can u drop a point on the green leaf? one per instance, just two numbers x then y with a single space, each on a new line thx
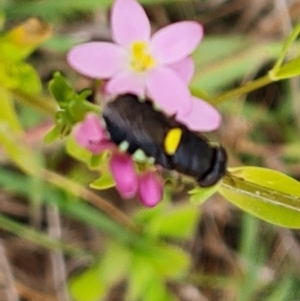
19 75
140 274
200 195
88 286
180 222
77 151
157 290
145 216
97 160
73 105
168 261
144 284
52 135
28 79
267 194
60 89
8 113
77 109
22 156
23 39
167 220
288 70
104 182
285 48
85 156
115 262
177 222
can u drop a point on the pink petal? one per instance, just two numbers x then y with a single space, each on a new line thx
150 189
203 117
129 22
168 91
184 68
123 171
97 59
91 135
126 82
176 41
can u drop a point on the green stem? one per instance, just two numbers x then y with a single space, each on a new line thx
45 105
291 38
95 108
251 86
39 238
86 194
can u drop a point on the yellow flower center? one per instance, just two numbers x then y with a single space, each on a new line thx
141 59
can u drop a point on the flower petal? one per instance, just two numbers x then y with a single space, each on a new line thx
123 171
150 189
129 22
203 117
91 135
126 82
176 41
97 59
168 91
184 68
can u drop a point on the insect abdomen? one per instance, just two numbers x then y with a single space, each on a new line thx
128 119
196 158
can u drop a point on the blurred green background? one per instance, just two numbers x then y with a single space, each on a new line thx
62 241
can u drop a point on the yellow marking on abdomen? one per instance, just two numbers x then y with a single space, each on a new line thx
172 140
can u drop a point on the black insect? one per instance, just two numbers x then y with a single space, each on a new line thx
169 142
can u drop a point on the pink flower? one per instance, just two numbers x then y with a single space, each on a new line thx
157 66
148 186
150 189
202 117
91 135
123 171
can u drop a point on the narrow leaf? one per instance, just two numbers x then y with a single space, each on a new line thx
288 70
200 195
38 237
286 47
104 182
267 194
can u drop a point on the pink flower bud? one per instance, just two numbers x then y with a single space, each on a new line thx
123 171
91 135
150 189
